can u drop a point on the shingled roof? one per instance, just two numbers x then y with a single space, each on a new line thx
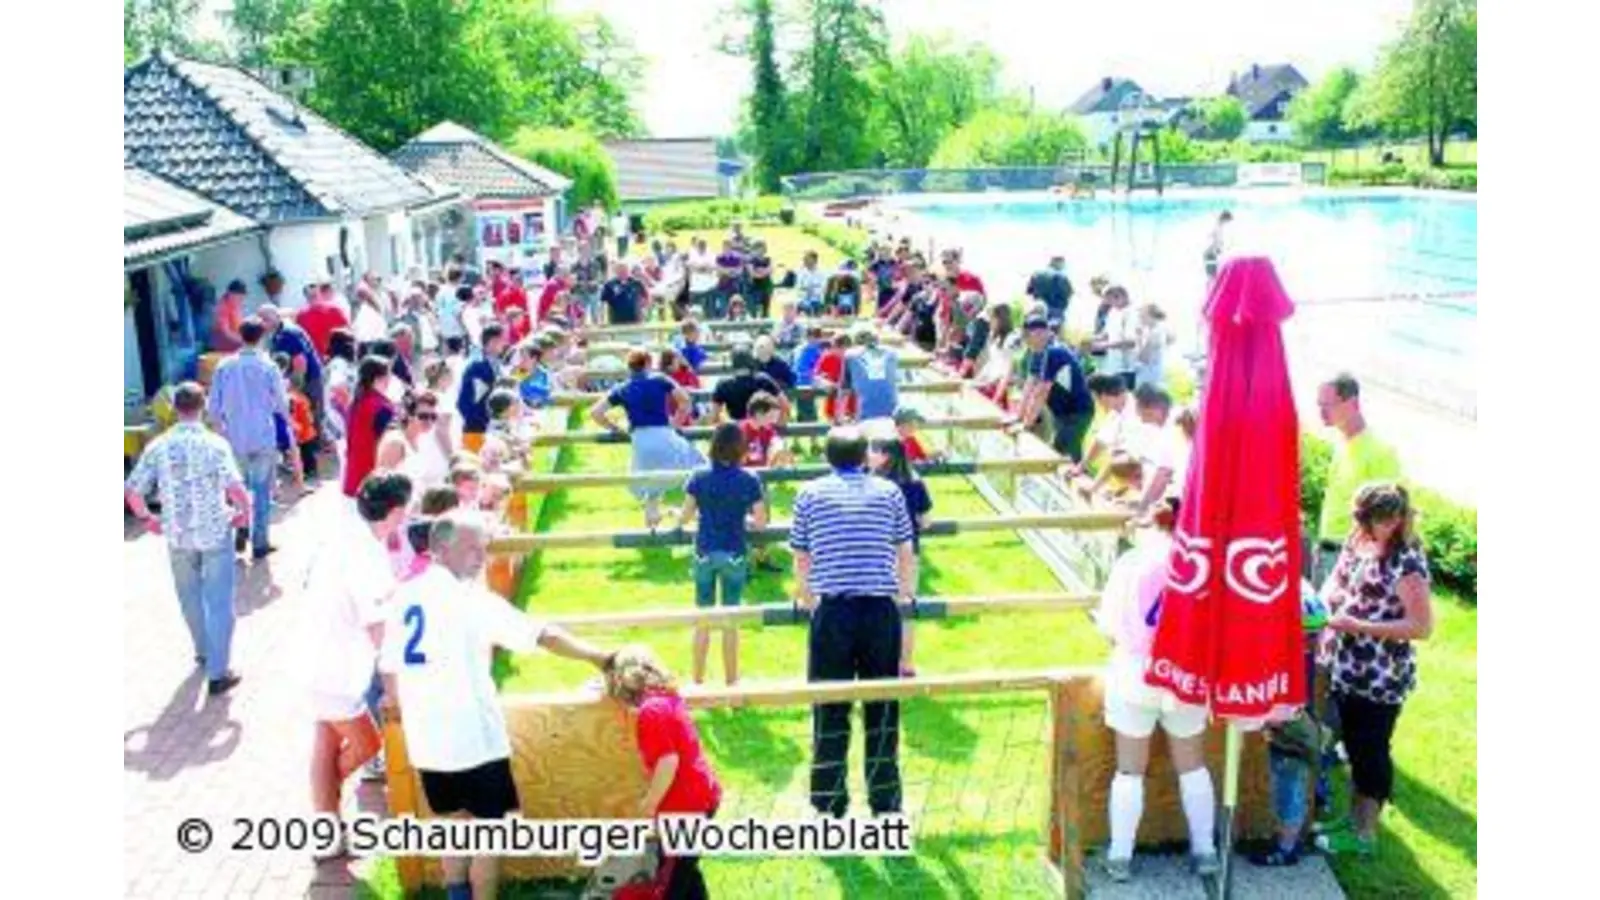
666 168
462 158
1106 96
222 133
161 219
1260 87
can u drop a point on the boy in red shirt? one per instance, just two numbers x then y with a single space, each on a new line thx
681 782
763 446
829 377
906 422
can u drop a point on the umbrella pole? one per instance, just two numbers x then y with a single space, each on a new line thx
1230 802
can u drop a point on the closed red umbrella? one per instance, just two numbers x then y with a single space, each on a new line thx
1229 635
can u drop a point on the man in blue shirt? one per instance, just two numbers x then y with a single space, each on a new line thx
1055 381
853 560
872 373
292 340
1051 287
246 392
477 382
622 295
722 496
688 346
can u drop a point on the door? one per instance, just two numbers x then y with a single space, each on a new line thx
139 287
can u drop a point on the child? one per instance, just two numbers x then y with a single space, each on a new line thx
805 369
673 364
689 345
505 422
681 782
763 446
736 310
518 325
285 438
303 428
536 385
829 378
789 331
888 459
1292 748
844 291
1150 344
906 420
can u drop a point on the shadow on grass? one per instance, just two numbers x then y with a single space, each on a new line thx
655 565
933 730
1437 814
901 876
746 743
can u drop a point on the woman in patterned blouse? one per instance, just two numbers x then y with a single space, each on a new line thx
1380 605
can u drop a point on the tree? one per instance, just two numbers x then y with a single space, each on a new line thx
568 72
1007 137
575 154
1318 112
260 27
767 107
1223 117
151 25
385 72
925 91
1426 82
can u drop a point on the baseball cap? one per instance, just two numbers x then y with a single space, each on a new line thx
1036 323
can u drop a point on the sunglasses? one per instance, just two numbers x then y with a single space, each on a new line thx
427 417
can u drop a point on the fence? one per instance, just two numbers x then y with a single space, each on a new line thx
877 182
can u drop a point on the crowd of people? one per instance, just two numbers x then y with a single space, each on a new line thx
419 401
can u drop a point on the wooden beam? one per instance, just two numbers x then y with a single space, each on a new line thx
890 339
789 614
942 386
907 361
717 325
703 433
1094 520
544 481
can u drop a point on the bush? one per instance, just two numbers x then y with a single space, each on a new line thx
1449 531
575 154
999 137
1400 175
708 214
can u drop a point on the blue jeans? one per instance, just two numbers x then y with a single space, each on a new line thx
260 470
1289 777
204 579
714 568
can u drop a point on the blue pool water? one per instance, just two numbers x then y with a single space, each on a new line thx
1393 273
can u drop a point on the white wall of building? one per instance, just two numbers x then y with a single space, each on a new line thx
1268 132
132 375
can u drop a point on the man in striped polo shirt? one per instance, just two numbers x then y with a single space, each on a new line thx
853 559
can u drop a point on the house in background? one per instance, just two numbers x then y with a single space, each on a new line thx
513 205
660 169
163 225
1265 92
1100 109
330 206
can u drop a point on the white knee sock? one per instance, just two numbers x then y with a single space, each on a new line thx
1200 808
1127 805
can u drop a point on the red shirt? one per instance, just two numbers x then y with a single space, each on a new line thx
831 367
685 378
369 416
966 281
508 294
518 329
547 297
319 320
914 450
758 443
665 728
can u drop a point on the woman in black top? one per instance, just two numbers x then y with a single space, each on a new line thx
886 457
760 280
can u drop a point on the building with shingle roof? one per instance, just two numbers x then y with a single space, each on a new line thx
1265 92
1102 108
217 141
516 203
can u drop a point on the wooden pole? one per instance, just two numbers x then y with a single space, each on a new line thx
703 433
789 614
1094 520
942 386
892 338
716 325
542 481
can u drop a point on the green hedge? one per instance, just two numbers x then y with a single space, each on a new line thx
1397 174
1449 531
846 239
722 213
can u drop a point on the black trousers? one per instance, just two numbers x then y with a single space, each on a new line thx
1070 432
853 637
1367 729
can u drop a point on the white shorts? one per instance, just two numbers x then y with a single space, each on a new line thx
1133 709
328 707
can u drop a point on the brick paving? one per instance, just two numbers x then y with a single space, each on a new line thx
244 754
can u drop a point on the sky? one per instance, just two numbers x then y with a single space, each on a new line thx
1058 48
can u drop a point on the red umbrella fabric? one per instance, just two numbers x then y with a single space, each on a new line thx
1229 632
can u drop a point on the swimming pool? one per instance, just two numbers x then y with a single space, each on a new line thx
1375 273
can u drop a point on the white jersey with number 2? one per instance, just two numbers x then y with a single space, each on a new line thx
439 644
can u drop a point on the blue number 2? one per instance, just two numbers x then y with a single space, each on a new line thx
416 621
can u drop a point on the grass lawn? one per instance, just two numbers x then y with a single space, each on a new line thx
974 770
786 244
1457 155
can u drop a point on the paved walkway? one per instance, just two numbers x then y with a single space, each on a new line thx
245 754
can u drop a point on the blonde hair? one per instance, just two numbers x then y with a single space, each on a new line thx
634 672
1156 313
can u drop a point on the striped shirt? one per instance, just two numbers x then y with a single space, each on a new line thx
852 525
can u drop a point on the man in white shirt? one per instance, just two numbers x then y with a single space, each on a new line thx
810 284
702 275
438 645
619 231
1119 337
1160 448
475 314
1118 424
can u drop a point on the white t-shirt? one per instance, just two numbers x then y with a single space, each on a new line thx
1160 447
369 325
352 586
1118 431
449 308
702 271
619 225
473 317
439 643
1121 325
